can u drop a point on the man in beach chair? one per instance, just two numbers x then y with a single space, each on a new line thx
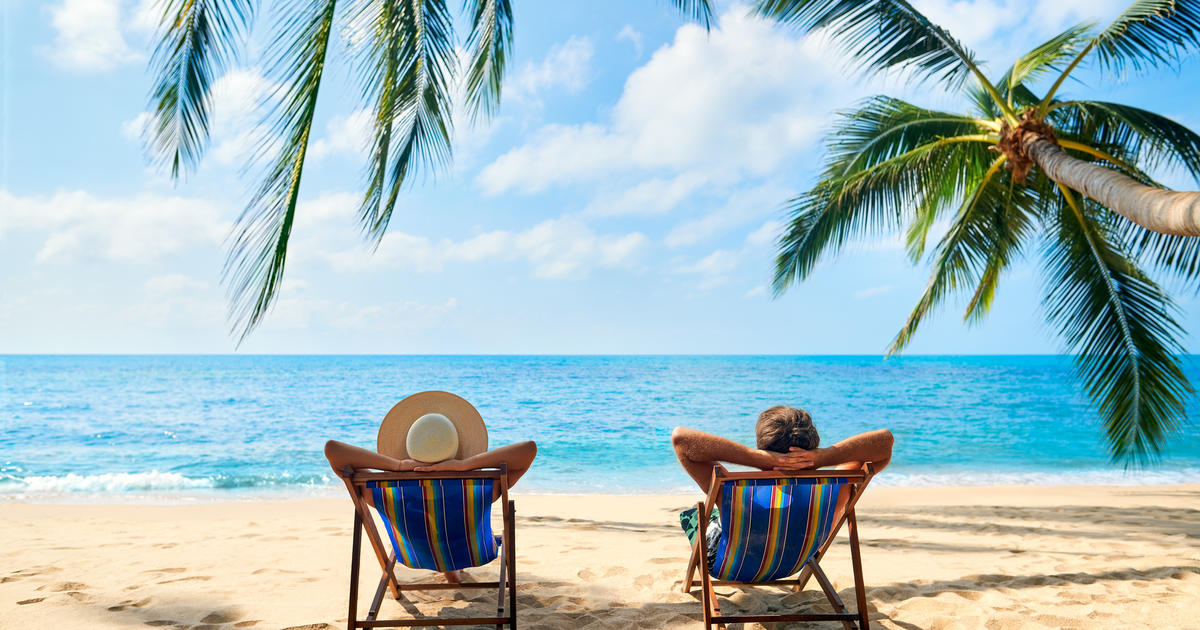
433 502
761 527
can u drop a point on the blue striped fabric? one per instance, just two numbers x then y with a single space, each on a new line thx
771 527
437 524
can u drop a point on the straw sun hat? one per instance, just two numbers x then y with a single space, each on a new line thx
432 426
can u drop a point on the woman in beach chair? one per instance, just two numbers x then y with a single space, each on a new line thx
760 528
433 502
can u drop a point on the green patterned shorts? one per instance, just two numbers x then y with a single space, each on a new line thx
689 520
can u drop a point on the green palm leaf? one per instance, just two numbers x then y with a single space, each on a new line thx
1150 33
1119 325
198 40
987 234
1052 55
258 251
417 55
880 158
698 10
882 35
489 44
1148 140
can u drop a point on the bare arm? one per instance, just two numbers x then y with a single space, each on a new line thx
517 457
700 452
341 455
850 453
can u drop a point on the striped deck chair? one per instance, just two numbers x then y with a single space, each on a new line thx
437 521
776 525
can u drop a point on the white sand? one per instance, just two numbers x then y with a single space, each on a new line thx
1000 557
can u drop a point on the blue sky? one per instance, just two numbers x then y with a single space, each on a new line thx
623 200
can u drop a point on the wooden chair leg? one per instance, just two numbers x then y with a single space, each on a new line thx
500 591
512 564
377 601
690 573
355 548
860 591
708 597
830 593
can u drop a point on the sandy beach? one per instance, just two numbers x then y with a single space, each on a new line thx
980 557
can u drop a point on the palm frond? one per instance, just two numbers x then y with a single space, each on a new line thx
1177 256
1139 137
489 44
1121 328
988 229
258 250
197 40
872 200
1013 222
413 63
880 128
1051 55
1150 33
883 35
697 10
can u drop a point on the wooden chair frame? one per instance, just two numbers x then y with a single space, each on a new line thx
356 481
858 480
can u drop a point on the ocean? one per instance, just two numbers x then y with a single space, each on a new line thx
228 426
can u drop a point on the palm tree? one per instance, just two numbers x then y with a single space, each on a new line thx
407 62
1022 171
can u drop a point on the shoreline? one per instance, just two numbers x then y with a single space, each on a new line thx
207 496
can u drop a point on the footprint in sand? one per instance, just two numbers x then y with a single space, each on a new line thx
63 586
129 603
166 570
194 578
21 574
30 601
247 623
219 616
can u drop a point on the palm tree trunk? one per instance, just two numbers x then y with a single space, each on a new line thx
1158 210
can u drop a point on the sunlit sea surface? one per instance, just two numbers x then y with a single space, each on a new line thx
196 427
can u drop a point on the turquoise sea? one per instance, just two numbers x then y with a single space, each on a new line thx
81 427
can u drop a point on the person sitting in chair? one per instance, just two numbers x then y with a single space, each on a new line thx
786 440
432 432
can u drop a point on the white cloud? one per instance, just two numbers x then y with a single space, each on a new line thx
629 33
142 228
757 291
345 135
566 66
146 15
741 207
88 35
174 283
765 235
237 131
870 292
713 269
554 248
739 99
297 313
649 197
135 129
